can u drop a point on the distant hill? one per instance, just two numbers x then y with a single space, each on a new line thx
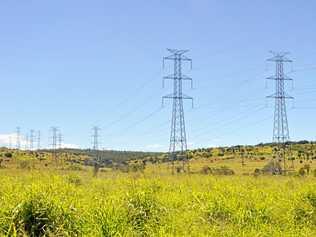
115 156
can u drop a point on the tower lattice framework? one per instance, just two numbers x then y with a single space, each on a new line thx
178 139
281 132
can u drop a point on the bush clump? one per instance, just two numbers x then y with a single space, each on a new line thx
144 212
301 172
74 179
39 216
218 213
273 168
25 164
224 170
305 209
111 221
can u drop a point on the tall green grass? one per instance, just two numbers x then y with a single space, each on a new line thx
76 204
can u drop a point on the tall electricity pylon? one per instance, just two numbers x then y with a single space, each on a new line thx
96 152
280 126
95 137
38 140
54 131
31 139
178 140
60 140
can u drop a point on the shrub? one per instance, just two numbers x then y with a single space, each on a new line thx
74 167
179 169
272 167
206 170
143 212
218 213
307 167
257 172
111 221
8 155
305 210
224 170
137 167
25 164
74 179
301 172
39 216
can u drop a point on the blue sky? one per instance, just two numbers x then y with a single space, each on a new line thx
75 64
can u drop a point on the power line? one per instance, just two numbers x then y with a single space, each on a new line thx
127 114
136 91
223 124
232 132
206 118
136 123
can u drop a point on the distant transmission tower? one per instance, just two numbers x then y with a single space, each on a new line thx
60 140
27 142
95 136
31 139
54 131
280 127
178 140
18 138
38 140
96 152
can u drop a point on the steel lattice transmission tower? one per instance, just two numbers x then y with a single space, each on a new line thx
178 140
31 140
280 127
95 148
54 131
60 140
18 138
96 144
38 140
95 137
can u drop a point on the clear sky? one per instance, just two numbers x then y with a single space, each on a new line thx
76 63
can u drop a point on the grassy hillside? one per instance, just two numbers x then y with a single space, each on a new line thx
241 159
136 195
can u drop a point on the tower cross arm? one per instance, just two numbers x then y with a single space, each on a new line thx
186 78
279 59
169 77
276 96
285 78
186 97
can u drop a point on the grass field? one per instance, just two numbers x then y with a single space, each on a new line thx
154 203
